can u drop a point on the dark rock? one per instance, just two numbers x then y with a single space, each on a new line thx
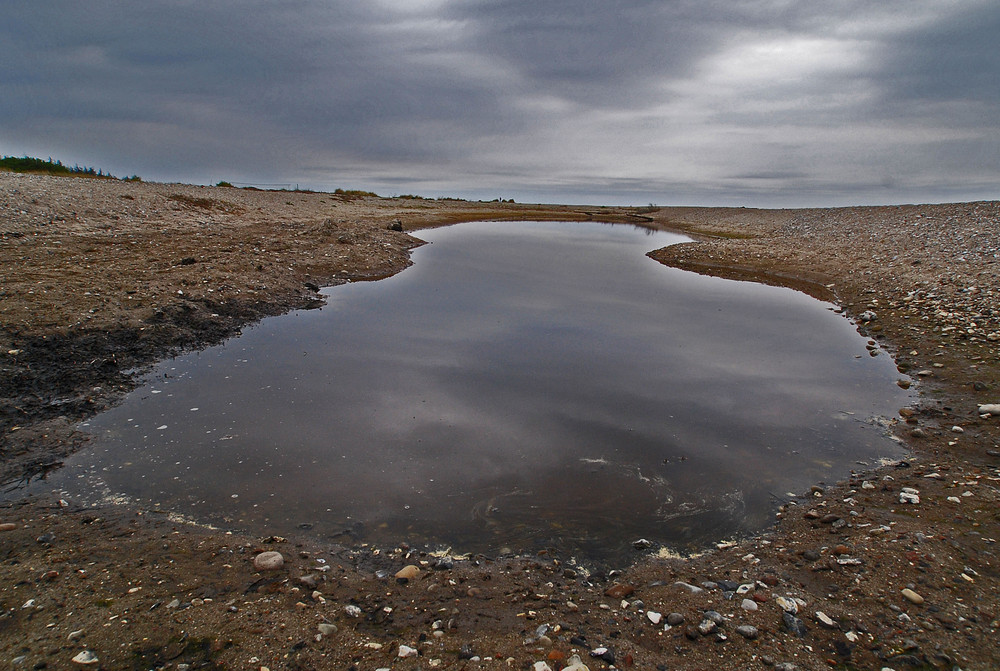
674 619
466 652
794 624
842 648
727 585
908 660
714 616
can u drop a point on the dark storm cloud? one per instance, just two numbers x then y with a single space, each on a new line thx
770 101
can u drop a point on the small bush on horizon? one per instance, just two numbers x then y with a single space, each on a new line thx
355 193
225 184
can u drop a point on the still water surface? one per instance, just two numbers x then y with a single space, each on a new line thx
522 385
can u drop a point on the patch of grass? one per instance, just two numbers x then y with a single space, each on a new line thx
225 184
355 193
203 203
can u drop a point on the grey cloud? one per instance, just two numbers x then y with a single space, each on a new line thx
616 101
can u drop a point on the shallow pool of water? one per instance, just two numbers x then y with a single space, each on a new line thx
521 386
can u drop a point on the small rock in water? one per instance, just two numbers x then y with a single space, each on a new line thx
268 561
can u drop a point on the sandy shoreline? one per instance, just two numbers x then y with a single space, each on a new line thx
102 277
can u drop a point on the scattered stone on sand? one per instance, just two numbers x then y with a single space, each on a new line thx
268 561
408 572
86 658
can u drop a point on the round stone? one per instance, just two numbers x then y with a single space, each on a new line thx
268 561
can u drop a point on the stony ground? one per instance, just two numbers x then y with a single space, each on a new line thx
891 568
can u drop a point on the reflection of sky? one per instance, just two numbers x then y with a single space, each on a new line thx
508 356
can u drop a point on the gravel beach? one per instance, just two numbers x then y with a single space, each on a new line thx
893 567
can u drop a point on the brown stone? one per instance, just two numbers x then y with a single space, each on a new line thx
619 591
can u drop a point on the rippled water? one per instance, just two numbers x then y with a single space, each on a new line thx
523 385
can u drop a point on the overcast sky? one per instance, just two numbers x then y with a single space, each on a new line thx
757 103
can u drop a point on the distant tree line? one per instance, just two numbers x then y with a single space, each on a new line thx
50 167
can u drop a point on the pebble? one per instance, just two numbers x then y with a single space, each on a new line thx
653 616
912 596
825 620
749 604
706 627
714 616
787 605
992 409
748 632
619 591
406 651
674 619
575 664
909 495
86 658
268 561
8 526
408 572
327 629
794 624
603 653
691 588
